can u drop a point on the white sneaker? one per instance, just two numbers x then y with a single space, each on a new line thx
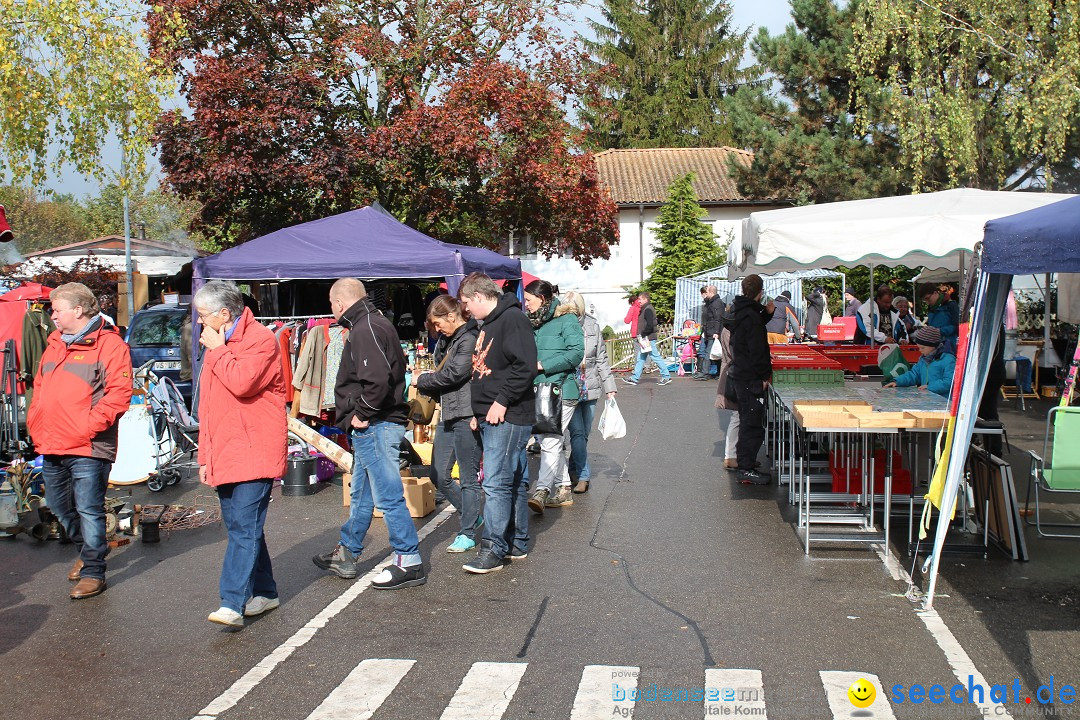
259 604
226 616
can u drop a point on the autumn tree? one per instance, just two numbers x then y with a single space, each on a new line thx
989 89
41 222
74 74
663 69
683 242
447 112
802 126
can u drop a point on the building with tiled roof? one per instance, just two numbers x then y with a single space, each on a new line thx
638 181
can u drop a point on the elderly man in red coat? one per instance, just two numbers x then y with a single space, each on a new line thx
242 442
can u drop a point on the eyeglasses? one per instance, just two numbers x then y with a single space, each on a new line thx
203 316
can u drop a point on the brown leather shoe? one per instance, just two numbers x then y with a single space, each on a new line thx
87 588
75 573
581 487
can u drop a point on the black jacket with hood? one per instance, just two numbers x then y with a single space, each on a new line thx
371 378
450 383
713 316
751 361
504 363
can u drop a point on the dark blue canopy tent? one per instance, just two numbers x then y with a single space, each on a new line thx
368 244
1043 240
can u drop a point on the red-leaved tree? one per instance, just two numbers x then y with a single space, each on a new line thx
450 113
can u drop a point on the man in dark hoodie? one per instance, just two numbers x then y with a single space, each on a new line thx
783 317
751 369
504 410
369 396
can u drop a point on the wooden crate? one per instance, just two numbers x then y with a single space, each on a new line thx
924 419
827 420
886 420
858 409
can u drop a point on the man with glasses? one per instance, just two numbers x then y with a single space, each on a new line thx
82 387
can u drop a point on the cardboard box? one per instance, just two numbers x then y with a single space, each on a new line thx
419 496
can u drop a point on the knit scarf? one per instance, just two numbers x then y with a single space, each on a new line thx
540 315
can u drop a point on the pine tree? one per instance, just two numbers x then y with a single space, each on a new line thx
684 241
664 67
804 141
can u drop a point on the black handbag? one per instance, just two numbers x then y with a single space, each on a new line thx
548 409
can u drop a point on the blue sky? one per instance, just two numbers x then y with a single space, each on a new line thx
772 14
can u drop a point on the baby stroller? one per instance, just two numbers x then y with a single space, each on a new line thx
175 446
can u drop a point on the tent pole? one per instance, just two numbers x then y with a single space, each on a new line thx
873 292
1048 358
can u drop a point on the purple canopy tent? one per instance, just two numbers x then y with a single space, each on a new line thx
369 244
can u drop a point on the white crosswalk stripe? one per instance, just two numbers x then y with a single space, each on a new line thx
836 691
598 698
361 693
485 692
603 692
730 687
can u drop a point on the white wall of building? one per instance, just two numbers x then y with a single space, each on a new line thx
602 283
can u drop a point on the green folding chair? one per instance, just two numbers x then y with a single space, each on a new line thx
1063 475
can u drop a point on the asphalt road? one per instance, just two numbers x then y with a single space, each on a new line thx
666 576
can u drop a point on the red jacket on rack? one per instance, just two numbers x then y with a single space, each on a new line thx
242 420
80 392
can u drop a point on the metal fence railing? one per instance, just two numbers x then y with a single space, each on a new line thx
622 350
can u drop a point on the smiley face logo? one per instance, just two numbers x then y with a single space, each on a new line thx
861 693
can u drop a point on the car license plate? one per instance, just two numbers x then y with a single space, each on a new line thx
167 365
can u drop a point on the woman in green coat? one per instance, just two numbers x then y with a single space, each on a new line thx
560 348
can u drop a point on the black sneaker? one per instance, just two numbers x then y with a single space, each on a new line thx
485 562
630 381
753 477
516 554
339 561
395 578
664 381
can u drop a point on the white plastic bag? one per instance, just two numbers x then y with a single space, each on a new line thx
612 425
716 350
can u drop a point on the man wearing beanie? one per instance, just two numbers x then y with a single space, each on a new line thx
935 368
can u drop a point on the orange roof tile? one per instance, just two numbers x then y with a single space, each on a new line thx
643 176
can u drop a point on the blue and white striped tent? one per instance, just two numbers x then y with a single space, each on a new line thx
688 290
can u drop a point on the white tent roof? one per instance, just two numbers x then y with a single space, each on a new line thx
927 230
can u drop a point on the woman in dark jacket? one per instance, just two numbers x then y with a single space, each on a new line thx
560 348
453 437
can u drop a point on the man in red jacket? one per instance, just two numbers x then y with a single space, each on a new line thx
82 387
242 442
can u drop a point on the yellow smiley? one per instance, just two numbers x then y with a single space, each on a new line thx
861 693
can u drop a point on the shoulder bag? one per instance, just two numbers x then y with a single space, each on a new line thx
548 409
422 407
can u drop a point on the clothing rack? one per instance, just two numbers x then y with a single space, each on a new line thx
271 318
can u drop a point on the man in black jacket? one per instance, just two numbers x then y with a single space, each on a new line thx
646 343
712 314
371 407
504 410
751 369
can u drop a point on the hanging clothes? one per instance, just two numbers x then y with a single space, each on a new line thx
310 375
35 338
335 348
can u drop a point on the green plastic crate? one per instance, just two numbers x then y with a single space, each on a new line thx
808 377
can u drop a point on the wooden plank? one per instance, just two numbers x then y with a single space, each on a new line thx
341 457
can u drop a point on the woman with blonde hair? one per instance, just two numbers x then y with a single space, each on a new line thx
594 379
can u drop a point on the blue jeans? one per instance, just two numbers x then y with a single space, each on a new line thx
506 487
246 571
640 364
706 365
580 427
456 440
376 481
75 492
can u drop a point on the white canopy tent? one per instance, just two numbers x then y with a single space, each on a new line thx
688 290
929 230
